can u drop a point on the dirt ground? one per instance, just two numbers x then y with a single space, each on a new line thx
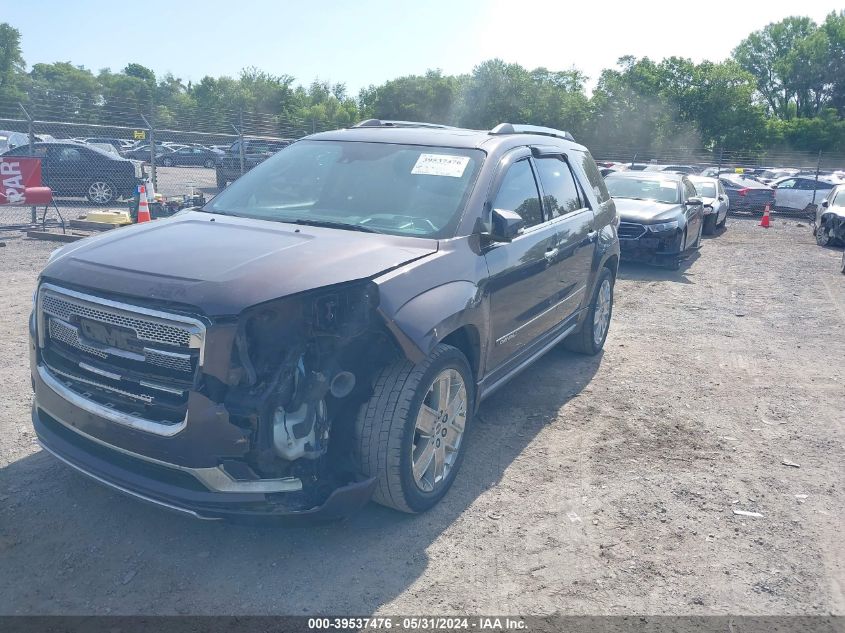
600 485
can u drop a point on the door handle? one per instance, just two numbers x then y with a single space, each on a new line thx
551 253
591 237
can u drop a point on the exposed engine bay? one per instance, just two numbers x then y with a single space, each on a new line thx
300 368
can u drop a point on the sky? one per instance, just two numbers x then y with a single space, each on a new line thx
370 41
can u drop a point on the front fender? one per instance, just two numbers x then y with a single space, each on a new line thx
424 321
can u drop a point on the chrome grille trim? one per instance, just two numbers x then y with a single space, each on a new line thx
630 230
86 381
149 325
69 335
95 408
57 312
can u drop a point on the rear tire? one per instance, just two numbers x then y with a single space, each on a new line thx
101 192
403 419
590 338
710 224
209 164
167 162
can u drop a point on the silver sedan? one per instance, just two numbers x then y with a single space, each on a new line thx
715 200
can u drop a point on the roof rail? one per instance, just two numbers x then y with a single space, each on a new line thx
383 123
510 128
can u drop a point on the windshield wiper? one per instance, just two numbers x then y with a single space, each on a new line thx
332 225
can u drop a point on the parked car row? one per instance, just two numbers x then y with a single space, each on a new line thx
76 169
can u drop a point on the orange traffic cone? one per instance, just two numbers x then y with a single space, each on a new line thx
143 207
765 221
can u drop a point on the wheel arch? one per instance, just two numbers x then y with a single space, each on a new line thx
448 313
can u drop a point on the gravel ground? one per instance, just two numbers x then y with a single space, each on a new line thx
592 485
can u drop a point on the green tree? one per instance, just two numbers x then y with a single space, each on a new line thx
430 97
11 66
766 55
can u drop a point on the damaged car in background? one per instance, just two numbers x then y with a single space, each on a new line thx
829 225
323 331
661 216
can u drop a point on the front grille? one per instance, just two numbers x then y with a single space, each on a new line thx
630 230
131 359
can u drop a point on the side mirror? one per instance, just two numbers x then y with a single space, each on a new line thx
825 203
506 225
721 198
693 202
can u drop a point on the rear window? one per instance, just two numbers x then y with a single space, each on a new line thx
593 175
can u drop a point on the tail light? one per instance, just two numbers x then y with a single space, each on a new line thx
744 192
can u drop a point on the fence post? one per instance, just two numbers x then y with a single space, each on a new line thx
240 132
33 212
634 159
816 185
153 174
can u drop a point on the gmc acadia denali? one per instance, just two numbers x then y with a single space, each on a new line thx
323 331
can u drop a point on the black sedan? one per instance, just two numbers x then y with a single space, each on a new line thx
76 169
661 216
747 194
203 156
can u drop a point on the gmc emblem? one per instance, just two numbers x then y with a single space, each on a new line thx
110 335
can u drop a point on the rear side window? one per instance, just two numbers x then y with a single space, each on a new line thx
593 175
560 193
518 193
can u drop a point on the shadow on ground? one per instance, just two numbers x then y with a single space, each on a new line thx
70 546
652 272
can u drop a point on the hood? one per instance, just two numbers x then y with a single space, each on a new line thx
646 211
223 265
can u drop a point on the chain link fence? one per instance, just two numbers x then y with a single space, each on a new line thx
95 160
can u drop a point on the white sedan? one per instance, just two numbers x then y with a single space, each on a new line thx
796 193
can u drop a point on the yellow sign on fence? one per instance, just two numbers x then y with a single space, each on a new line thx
739 170
139 135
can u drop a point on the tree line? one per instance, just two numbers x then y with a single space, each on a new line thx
782 88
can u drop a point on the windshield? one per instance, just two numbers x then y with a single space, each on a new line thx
645 188
398 189
706 189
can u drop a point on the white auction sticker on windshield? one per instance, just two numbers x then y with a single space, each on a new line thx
440 165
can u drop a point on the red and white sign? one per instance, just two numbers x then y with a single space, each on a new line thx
16 174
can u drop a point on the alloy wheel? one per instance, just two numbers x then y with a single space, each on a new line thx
100 192
439 430
601 313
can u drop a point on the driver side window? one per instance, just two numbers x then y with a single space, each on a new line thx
518 192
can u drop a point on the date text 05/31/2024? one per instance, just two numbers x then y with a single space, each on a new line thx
421 623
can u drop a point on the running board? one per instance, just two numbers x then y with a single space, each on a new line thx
488 391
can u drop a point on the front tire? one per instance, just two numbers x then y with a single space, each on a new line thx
209 164
593 333
843 262
823 237
411 434
710 222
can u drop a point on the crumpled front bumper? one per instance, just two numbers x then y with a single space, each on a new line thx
173 490
651 245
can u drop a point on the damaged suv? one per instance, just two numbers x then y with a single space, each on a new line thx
323 331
